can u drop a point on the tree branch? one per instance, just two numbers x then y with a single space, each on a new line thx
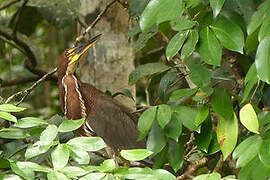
4 6
18 17
88 29
17 81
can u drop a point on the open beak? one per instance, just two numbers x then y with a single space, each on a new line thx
74 54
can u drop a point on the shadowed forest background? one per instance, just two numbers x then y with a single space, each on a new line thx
195 71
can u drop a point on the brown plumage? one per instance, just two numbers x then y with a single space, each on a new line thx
105 117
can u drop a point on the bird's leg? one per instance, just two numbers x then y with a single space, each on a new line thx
112 155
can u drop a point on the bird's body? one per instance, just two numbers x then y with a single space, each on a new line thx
105 117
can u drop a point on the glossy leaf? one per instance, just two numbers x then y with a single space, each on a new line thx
158 11
199 75
216 6
203 139
55 175
174 128
202 115
28 122
187 115
209 47
175 155
144 37
8 116
79 155
48 135
190 45
227 133
247 150
73 171
248 118
13 133
26 174
229 34
252 42
250 80
262 60
60 156
265 29
156 140
213 176
70 125
145 121
11 108
9 177
146 70
221 103
180 93
161 158
165 82
175 44
93 176
135 154
164 115
31 166
35 150
258 17
264 150
181 24
163 174
87 143
107 166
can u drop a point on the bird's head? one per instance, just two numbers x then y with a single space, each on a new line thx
74 55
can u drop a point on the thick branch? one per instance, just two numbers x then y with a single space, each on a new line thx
10 3
17 81
18 17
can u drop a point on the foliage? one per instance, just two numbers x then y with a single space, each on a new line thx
204 66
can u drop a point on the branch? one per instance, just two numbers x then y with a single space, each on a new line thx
78 39
17 81
30 89
4 6
18 17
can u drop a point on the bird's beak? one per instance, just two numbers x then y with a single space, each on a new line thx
74 54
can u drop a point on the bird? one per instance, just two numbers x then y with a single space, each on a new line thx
104 116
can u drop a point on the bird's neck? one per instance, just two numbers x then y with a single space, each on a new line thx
73 102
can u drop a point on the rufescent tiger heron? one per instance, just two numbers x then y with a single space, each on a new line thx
105 117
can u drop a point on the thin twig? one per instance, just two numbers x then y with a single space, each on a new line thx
78 39
9 4
18 17
30 89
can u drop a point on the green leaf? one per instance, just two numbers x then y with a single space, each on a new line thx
181 24
48 135
229 34
13 133
249 118
175 155
265 29
70 125
107 166
136 7
55 175
93 176
227 133
124 92
199 75
252 42
202 115
143 38
9 177
146 70
8 116
262 60
180 93
135 154
247 150
250 80
222 103
161 174
134 173
79 155
145 121
174 128
31 166
73 171
187 115
216 6
209 48
190 45
258 17
163 115
264 154
158 11
161 158
214 145
26 174
87 143
156 140
175 44
213 176
28 122
11 108
60 156
36 149
203 139
165 82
